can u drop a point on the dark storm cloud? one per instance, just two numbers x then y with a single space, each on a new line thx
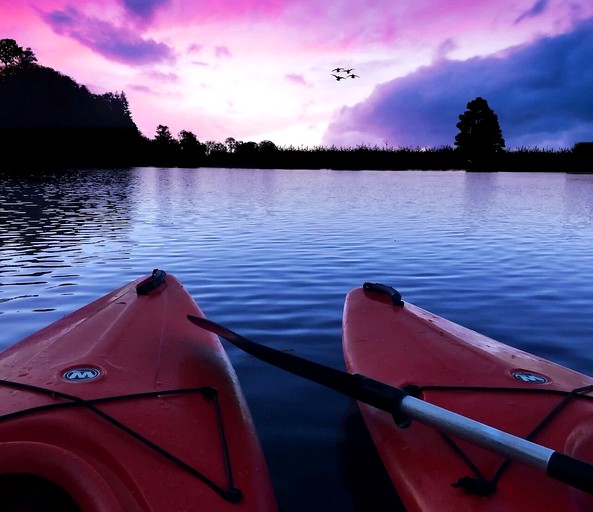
540 91
112 42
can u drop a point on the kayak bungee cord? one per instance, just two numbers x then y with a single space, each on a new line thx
230 493
478 484
403 406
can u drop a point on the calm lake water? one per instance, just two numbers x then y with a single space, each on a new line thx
272 254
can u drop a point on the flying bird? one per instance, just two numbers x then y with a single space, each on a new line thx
347 71
338 78
338 70
353 76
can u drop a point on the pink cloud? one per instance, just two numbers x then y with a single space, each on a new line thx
117 43
163 77
297 79
222 51
141 88
195 48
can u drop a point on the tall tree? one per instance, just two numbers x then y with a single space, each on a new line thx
163 135
166 148
480 137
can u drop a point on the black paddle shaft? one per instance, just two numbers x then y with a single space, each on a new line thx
401 406
361 388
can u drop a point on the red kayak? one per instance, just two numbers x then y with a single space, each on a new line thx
459 370
124 405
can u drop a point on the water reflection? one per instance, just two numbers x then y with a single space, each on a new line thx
361 468
53 224
63 212
578 198
479 190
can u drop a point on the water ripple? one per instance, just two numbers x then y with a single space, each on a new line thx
272 254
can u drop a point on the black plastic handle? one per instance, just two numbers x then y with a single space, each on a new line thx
384 289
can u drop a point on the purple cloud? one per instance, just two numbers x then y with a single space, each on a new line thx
144 9
541 93
538 8
164 77
114 43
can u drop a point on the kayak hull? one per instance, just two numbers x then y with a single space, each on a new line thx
125 405
463 371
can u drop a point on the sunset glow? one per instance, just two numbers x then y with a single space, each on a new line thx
255 70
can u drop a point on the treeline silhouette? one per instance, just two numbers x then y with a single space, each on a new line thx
47 120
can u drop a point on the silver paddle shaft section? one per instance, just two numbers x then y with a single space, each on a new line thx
500 442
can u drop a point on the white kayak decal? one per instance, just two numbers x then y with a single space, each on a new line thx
530 377
82 374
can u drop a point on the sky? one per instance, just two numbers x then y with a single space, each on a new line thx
262 69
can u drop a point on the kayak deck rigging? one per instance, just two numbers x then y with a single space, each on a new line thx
479 484
228 492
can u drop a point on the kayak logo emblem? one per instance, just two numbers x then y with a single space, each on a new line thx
82 374
530 378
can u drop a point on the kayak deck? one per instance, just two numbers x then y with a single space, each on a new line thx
125 405
460 370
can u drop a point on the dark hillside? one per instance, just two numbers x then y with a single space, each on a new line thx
47 119
37 96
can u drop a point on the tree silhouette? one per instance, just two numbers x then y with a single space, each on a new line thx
215 148
232 144
116 107
267 147
13 55
187 139
480 137
166 149
192 150
246 149
163 135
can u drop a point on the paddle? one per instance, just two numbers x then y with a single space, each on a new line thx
401 406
